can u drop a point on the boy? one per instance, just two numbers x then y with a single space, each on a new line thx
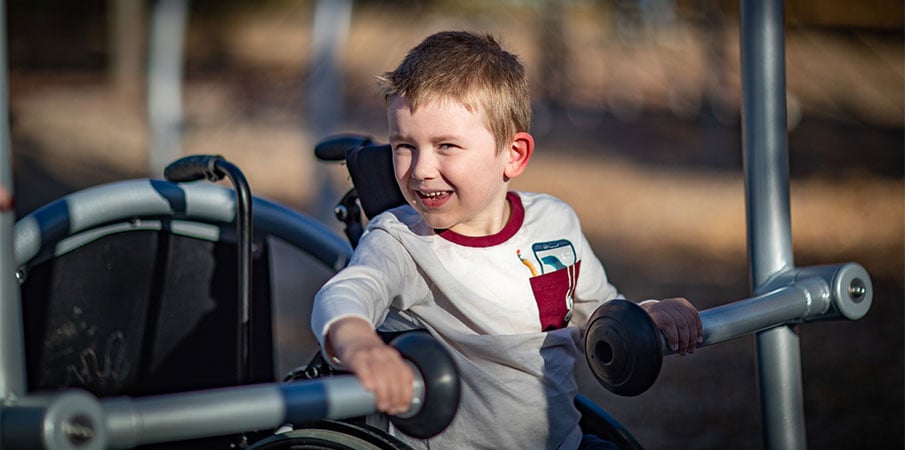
506 280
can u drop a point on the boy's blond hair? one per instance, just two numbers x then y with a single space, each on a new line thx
470 68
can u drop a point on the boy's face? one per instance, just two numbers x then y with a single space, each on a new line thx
448 167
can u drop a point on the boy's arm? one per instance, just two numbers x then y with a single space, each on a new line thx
679 321
347 309
379 367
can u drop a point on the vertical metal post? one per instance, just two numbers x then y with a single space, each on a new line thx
12 353
332 19
764 143
168 23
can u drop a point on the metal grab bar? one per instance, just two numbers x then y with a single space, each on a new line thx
76 420
624 348
803 295
220 412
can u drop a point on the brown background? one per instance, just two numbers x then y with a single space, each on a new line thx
637 127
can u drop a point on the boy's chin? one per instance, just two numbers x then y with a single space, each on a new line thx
437 223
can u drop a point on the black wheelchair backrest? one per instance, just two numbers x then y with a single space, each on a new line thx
371 169
374 188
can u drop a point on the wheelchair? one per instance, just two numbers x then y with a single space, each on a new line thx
129 291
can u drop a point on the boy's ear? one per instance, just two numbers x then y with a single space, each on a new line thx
519 152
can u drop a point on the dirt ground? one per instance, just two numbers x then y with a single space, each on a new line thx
658 187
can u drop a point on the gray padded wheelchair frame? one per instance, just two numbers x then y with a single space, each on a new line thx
65 221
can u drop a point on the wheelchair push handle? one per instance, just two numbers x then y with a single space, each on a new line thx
193 168
334 148
215 168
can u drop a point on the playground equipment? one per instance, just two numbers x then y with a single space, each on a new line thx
782 297
187 229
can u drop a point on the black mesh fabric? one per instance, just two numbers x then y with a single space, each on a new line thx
142 312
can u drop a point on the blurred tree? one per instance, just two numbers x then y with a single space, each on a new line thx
554 53
127 21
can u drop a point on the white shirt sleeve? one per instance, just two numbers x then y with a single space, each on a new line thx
375 277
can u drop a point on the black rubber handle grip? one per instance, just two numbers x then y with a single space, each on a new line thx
334 148
195 167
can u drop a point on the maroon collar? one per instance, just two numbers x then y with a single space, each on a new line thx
516 218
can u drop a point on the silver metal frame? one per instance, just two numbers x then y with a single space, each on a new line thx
782 297
791 297
76 420
12 350
764 144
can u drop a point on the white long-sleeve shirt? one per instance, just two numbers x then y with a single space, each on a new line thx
510 308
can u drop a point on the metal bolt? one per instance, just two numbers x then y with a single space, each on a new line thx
341 212
79 430
857 290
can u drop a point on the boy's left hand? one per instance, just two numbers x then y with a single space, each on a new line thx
679 321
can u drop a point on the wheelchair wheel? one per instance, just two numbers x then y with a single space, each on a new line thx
331 435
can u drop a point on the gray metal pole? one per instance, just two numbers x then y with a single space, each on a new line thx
12 354
168 23
764 143
332 19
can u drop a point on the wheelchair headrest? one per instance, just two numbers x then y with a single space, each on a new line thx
371 169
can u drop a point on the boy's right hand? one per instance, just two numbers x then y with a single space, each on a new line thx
378 366
679 321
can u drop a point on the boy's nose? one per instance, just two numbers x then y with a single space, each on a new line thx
423 165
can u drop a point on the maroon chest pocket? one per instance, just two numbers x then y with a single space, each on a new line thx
553 293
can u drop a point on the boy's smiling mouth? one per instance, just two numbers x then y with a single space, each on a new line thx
435 194
433 199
